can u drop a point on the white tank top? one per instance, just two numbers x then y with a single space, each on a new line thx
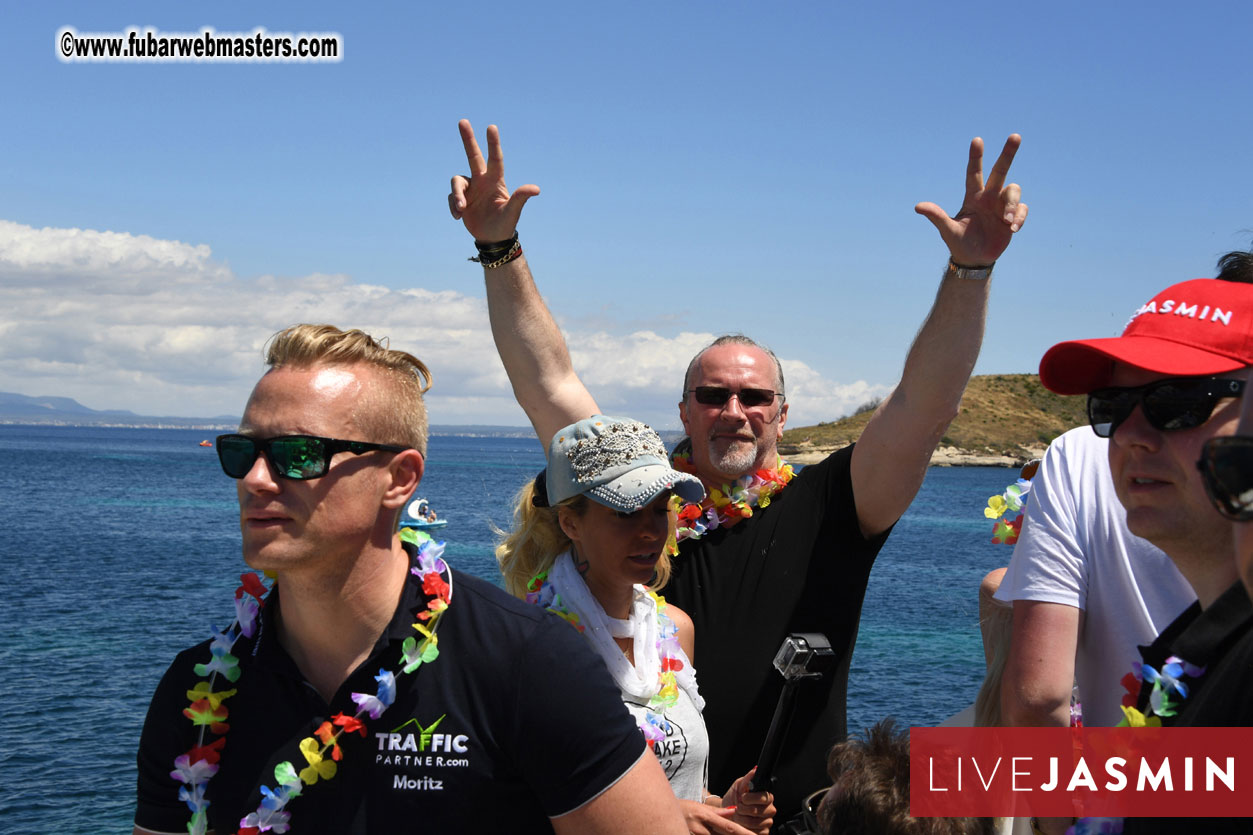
684 753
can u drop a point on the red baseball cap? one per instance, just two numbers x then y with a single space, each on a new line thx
1193 329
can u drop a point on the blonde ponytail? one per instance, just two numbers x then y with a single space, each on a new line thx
535 540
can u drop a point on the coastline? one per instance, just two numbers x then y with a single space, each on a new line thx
944 456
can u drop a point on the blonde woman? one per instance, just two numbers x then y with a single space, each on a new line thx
589 543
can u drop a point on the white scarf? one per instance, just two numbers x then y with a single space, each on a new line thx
641 680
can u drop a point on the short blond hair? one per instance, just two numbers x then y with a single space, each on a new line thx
391 414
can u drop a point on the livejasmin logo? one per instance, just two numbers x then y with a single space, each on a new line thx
1023 775
1068 772
421 747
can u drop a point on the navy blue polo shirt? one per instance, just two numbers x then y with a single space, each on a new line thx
515 722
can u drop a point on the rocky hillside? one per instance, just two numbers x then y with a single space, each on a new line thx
1004 420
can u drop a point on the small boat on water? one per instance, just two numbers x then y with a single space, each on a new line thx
420 515
206 443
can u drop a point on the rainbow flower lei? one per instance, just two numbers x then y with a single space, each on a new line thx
208 712
728 506
1169 691
1004 530
654 727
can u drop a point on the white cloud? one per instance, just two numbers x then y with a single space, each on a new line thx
121 321
814 398
81 258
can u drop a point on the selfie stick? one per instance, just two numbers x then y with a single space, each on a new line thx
803 656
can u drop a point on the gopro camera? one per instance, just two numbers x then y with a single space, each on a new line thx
804 655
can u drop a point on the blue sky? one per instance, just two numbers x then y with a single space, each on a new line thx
705 168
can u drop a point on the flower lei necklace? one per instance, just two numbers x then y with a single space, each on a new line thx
1004 530
207 711
540 592
1169 691
728 506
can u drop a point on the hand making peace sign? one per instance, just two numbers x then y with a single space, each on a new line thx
990 214
482 201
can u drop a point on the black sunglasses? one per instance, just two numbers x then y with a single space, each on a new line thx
1170 404
299 457
718 396
1226 467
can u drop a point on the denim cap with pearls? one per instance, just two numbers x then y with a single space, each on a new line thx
618 462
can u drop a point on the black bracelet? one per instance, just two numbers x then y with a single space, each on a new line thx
491 259
492 251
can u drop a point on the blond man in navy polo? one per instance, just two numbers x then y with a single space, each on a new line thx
377 689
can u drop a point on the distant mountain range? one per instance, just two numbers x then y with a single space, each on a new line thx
65 411
1004 418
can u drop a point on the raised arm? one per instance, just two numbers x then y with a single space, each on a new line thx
529 343
891 457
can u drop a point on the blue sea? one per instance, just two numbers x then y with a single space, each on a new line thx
122 547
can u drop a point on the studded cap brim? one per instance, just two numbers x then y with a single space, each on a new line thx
635 489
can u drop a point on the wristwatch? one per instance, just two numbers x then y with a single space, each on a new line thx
963 271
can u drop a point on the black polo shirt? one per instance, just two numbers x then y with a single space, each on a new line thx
799 565
516 721
1220 639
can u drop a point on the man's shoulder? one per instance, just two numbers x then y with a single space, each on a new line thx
1221 697
818 498
519 648
1164 644
824 490
1076 462
201 653
1079 440
484 602
181 675
831 473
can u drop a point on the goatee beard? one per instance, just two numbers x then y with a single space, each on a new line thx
735 461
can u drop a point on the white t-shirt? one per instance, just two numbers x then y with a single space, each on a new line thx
1075 549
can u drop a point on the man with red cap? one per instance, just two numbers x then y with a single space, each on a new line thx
1172 381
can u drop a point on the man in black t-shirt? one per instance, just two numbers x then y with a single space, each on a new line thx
375 689
802 563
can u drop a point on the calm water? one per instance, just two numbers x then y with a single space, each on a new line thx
122 546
